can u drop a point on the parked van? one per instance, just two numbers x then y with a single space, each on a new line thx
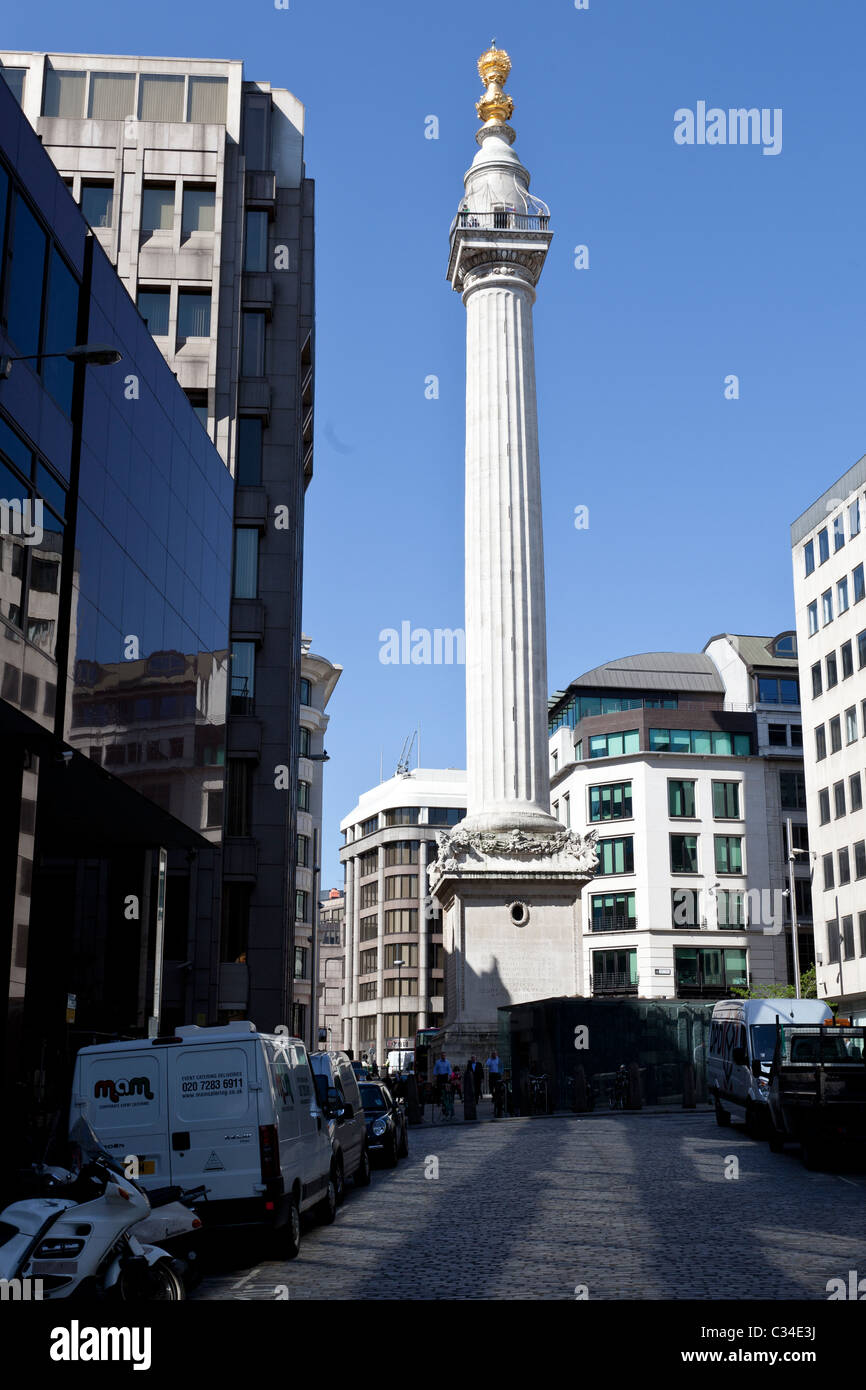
227 1107
340 1099
742 1041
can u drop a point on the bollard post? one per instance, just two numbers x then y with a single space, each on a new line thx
470 1111
415 1114
689 1096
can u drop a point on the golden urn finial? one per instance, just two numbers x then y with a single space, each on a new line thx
493 68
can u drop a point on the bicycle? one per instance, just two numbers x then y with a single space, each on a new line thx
445 1101
618 1093
538 1094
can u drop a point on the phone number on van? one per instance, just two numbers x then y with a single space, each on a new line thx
210 1085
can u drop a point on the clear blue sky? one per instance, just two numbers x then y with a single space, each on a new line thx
704 261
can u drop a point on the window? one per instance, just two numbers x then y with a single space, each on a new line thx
14 79
838 532
859 583
303 858
792 789
369 894
824 804
304 742
820 743
302 905
861 649
153 307
445 815
777 734
370 927
796 735
112 96
816 680
782 690
401 919
844 867
729 854
842 596
402 852
253 344
256 132
710 972
730 907
368 962
829 879
60 330
368 862
681 799
861 918
403 815
832 673
799 839
249 451
213 809
833 942
64 94
855 792
193 314
157 208
839 799
809 556
238 797
198 209
206 104
835 734
699 741
827 606
851 724
613 912
812 614
823 546
860 859
97 203
198 401
615 856
854 518
614 972
614 745
367 826
847 660
304 795
685 904
684 854
246 566
848 937
401 886
726 800
611 802
160 97
306 696
256 240
25 275
403 950
404 984
243 673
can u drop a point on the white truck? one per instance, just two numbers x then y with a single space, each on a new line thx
228 1107
742 1043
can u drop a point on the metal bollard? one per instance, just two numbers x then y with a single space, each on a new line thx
415 1113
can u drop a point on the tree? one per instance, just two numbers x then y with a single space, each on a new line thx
808 989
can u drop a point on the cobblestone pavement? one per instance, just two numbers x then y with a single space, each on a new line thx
631 1206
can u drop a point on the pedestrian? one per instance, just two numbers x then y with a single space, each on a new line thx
457 1082
476 1076
441 1072
494 1069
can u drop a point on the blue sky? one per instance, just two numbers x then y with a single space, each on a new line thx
704 261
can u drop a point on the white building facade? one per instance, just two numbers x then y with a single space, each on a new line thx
829 555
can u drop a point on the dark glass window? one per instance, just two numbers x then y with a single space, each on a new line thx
64 94
61 323
157 208
859 583
681 799
792 787
824 804
839 798
860 859
777 735
256 241
235 922
611 802
729 854
726 800
844 867
809 556
832 672
835 734
256 133
14 79
684 854
243 671
823 546
193 314
820 743
613 912
816 680
249 451
855 791
199 205
306 693
153 307
445 815
303 796
97 203
25 273
829 878
615 856
253 344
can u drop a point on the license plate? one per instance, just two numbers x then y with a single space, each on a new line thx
39 1267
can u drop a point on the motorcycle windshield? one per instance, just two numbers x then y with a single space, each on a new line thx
83 1135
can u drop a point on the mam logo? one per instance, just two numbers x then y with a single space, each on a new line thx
119 1090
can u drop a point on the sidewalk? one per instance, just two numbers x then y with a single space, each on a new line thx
485 1113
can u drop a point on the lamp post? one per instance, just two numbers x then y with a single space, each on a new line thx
399 964
322 757
91 354
795 943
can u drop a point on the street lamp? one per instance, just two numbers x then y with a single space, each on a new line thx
91 354
399 964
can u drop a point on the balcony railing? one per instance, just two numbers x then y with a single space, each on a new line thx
505 220
612 921
613 984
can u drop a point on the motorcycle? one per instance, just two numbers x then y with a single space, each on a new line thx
83 1242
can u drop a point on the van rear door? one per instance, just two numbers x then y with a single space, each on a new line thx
122 1095
214 1136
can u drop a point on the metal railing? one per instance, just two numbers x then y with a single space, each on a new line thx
505 220
612 921
613 984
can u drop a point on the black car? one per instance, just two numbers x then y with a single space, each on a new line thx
387 1126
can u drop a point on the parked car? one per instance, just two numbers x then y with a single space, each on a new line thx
340 1099
387 1125
227 1108
742 1043
361 1070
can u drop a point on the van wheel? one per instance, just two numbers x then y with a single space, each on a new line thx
364 1173
723 1117
289 1236
326 1209
339 1182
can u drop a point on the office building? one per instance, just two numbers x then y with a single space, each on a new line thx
331 970
193 179
829 554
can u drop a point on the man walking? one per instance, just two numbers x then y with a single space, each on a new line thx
441 1075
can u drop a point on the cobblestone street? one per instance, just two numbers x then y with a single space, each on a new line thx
631 1206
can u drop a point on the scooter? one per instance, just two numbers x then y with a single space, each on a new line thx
174 1227
82 1242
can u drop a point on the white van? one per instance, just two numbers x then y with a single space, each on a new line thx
228 1107
742 1042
